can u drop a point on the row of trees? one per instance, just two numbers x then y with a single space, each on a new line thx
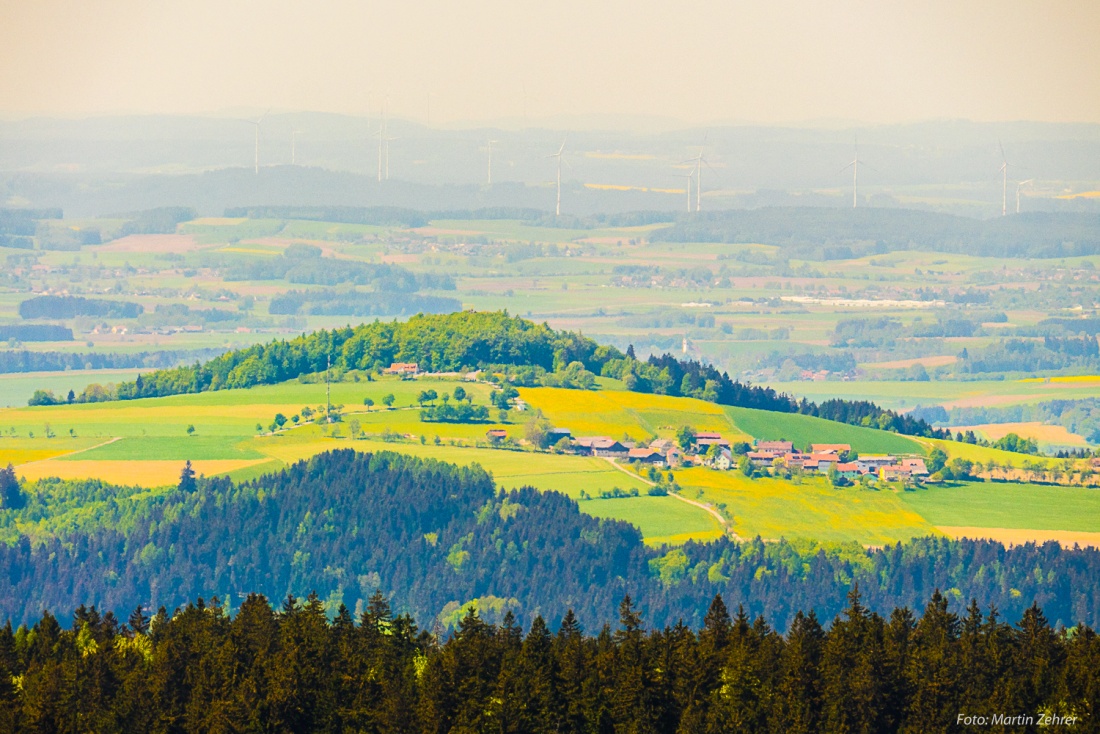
294 669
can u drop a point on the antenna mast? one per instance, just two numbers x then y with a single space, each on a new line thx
328 389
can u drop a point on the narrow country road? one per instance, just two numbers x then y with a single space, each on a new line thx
702 506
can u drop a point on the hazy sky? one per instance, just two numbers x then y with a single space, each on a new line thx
695 60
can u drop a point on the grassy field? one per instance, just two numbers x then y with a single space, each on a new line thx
1008 505
905 395
619 413
662 520
774 508
17 388
1046 435
804 429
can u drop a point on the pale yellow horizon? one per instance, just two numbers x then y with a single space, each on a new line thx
697 62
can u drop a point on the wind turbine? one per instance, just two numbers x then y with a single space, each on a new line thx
558 155
699 161
1004 182
294 147
490 177
381 133
854 165
388 141
257 122
1019 185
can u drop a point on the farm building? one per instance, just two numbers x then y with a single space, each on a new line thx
775 448
830 448
601 446
496 434
403 368
705 439
871 464
646 456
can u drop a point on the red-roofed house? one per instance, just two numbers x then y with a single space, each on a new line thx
830 448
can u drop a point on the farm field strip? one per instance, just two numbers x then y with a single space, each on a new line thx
773 508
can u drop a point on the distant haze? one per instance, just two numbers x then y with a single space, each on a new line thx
637 63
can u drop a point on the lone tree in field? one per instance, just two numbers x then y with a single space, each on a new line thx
190 432
388 400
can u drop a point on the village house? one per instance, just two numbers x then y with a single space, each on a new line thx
724 460
915 467
775 448
705 439
848 469
601 446
646 456
405 369
496 434
674 457
871 464
830 448
662 444
557 434
893 473
761 458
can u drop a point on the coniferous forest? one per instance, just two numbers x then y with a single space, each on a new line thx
293 669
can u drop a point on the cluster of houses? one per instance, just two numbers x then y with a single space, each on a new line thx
710 449
825 456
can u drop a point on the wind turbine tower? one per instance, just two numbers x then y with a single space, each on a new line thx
1004 183
381 133
699 161
489 180
558 155
1020 185
257 122
854 165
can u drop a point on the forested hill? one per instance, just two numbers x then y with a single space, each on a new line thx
435 537
291 669
470 340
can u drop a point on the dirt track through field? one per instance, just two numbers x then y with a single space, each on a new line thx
707 508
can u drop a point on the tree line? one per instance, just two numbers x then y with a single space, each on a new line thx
292 668
820 233
67 307
358 303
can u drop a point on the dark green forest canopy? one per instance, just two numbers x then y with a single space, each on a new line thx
434 537
293 669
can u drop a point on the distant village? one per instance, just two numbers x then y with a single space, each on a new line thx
709 449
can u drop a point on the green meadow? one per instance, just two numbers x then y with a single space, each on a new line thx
1008 505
